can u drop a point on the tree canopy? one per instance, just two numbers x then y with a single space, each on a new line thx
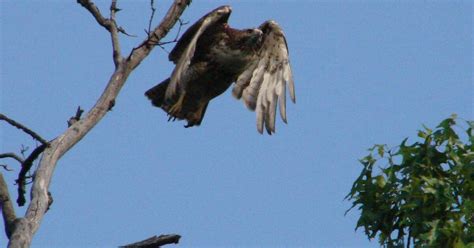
420 193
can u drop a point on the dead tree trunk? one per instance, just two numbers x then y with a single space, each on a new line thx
21 230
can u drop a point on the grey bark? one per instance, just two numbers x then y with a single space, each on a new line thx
24 228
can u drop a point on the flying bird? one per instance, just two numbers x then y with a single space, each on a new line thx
211 55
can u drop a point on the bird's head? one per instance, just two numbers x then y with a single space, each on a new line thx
251 37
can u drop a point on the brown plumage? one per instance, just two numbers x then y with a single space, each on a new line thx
210 56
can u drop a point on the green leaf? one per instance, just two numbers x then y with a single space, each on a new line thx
470 245
446 123
425 189
380 181
381 150
432 235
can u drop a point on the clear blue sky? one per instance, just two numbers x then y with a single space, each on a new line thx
366 72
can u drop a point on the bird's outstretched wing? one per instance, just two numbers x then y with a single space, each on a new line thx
263 84
186 46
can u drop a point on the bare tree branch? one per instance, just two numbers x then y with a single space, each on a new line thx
12 155
171 17
155 241
90 6
24 228
114 34
5 167
8 212
23 128
25 167
108 23
23 150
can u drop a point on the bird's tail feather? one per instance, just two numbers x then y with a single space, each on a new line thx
190 110
157 93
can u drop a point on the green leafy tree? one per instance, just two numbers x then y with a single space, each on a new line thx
420 194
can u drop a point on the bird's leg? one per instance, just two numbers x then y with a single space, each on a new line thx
176 108
195 118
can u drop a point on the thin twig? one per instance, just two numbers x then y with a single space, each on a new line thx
162 44
12 155
5 167
8 212
23 150
160 31
23 128
152 6
181 24
122 30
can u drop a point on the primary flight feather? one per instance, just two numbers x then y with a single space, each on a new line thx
210 56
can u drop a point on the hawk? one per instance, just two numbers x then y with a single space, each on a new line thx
211 55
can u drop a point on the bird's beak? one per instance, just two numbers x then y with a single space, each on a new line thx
258 35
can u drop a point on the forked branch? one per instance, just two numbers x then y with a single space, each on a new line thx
160 31
108 23
25 167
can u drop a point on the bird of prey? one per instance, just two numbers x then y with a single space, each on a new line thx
211 55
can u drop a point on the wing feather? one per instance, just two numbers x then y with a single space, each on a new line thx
251 92
270 77
271 113
243 81
282 93
260 109
220 14
288 76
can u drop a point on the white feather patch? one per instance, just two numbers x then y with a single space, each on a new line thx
272 74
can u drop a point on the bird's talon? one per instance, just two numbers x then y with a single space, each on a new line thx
176 108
